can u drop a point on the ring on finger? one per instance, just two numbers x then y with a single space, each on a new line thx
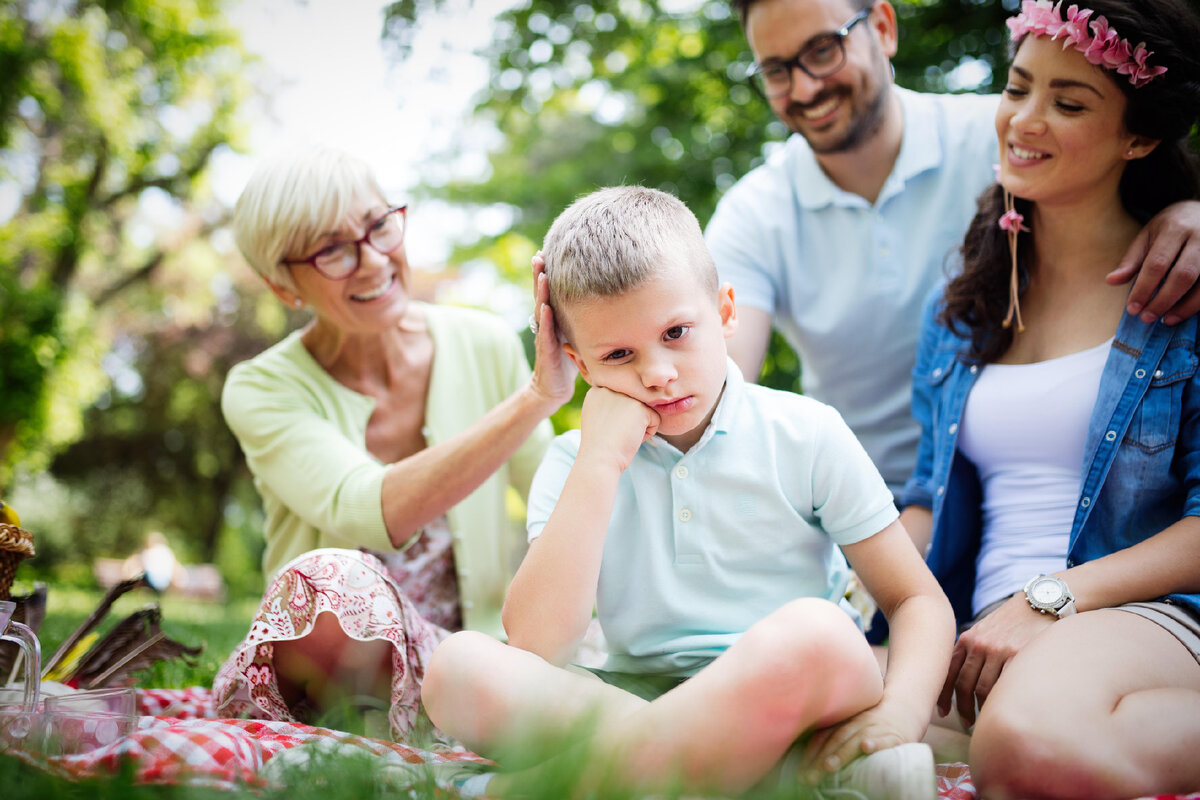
533 324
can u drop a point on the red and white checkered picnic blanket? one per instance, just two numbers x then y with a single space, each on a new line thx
179 742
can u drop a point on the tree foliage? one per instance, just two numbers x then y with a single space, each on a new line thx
109 110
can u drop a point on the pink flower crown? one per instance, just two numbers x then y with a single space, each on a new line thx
1099 43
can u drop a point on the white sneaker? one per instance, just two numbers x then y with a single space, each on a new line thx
898 773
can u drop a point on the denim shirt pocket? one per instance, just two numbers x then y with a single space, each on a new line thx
1155 422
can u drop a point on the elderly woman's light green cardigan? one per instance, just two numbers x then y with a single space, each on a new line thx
304 434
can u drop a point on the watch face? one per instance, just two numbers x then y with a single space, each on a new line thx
1047 592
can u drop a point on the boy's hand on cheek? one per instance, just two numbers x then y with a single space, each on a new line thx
613 426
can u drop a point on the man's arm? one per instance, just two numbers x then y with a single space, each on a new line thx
1164 264
748 347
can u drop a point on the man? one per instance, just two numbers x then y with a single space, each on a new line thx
840 236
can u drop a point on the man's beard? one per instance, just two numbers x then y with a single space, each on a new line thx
862 126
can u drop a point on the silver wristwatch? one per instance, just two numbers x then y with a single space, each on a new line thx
1050 595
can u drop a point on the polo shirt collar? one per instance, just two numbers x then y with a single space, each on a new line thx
920 149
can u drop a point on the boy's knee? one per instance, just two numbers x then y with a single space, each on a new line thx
451 670
807 631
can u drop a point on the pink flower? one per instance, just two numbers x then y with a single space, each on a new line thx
1101 40
1012 221
1116 55
1038 17
1075 30
1136 67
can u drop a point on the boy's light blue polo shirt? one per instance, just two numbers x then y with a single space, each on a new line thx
844 279
702 545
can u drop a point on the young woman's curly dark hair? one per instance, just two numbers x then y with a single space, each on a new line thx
1166 109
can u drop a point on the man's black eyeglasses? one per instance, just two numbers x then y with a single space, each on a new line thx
820 58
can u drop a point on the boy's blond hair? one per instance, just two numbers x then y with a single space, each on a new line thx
291 200
614 239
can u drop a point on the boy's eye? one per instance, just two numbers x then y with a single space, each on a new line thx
677 332
616 355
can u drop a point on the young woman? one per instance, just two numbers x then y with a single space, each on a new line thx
1059 468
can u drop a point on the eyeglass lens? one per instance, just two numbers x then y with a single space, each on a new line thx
822 57
342 259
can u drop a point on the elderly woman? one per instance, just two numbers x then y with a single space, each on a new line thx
383 438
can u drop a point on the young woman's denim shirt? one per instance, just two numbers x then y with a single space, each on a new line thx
1141 463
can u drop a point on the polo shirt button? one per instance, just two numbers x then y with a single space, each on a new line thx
1085 502
1141 373
1110 436
681 471
953 428
685 515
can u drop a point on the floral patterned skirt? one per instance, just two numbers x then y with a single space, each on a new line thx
366 593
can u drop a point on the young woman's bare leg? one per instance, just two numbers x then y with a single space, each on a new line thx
1103 704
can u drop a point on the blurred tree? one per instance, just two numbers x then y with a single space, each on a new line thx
587 93
110 112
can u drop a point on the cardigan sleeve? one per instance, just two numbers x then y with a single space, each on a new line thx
286 428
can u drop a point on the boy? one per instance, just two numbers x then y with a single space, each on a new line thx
701 517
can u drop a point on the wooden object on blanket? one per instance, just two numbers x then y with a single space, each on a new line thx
134 643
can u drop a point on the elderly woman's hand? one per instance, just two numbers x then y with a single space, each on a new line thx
553 372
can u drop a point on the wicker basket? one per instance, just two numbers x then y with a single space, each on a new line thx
16 544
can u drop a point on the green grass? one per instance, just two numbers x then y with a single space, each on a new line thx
325 776
216 626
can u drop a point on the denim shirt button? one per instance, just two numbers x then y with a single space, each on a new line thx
1158 373
953 428
1085 502
1070 563
974 369
941 490
1141 373
1110 436
937 372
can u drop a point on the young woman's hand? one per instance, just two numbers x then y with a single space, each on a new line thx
553 372
982 651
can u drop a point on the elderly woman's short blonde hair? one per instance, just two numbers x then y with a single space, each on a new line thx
290 201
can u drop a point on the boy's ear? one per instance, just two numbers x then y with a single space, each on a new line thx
577 360
727 309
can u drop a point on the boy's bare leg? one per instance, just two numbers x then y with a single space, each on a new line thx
1103 704
806 665
489 695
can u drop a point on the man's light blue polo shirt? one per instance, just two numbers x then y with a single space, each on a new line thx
702 545
845 280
